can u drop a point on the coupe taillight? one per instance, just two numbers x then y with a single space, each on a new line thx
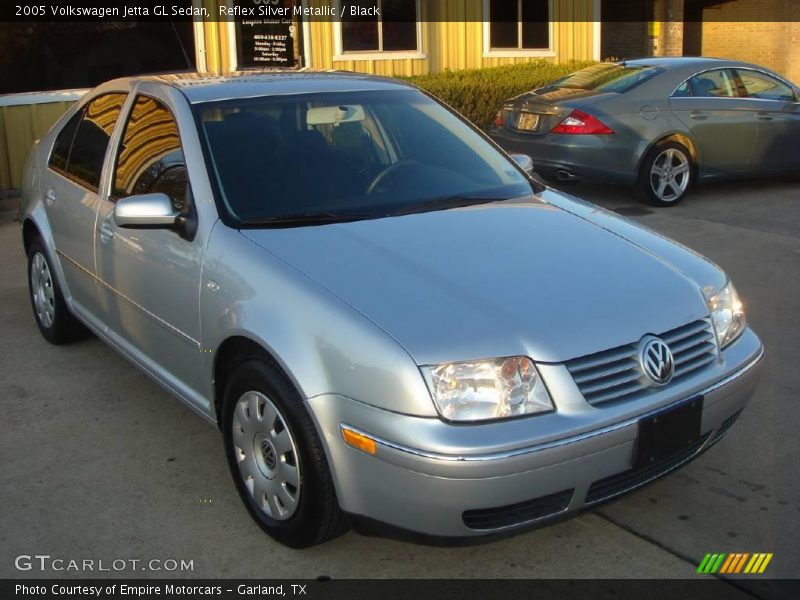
578 122
498 119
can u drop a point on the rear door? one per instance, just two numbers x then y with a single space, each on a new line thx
777 111
70 187
715 109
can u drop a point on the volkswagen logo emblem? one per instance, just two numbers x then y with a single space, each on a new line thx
656 360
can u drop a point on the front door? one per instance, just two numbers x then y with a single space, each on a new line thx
150 278
720 119
777 111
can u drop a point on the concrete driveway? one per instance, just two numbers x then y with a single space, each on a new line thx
98 462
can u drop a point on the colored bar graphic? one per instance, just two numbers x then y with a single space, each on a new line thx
734 563
727 564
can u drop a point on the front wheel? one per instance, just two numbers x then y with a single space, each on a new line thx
665 175
276 457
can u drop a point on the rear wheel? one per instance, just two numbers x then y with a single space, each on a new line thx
276 457
56 323
666 174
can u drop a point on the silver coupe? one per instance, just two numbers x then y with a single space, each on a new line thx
393 324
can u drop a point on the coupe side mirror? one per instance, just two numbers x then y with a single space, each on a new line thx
146 211
524 161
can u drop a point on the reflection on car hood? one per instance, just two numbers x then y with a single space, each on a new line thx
516 277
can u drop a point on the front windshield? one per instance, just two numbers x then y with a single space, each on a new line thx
607 77
369 154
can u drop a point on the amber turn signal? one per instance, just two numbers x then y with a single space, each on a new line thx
359 441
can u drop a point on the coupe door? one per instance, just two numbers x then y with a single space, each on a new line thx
777 111
70 188
151 277
720 119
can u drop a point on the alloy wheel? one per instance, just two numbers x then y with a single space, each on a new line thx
267 455
670 174
42 290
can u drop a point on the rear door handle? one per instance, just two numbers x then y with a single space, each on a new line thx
698 115
762 116
50 197
106 232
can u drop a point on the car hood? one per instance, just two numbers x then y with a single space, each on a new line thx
519 277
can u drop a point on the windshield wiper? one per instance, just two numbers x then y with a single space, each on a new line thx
304 219
443 203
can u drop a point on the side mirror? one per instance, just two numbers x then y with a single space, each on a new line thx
146 211
524 161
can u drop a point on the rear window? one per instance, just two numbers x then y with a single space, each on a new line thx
607 77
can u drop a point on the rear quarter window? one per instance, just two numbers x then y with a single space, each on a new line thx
59 157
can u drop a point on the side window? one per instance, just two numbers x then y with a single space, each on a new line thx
59 157
150 159
683 90
714 84
89 147
762 86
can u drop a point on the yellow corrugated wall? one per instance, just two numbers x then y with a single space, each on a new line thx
20 126
452 38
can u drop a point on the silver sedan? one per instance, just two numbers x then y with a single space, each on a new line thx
392 323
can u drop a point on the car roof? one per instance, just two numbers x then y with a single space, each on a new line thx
201 87
683 61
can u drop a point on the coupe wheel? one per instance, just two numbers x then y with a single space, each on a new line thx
666 174
276 457
56 323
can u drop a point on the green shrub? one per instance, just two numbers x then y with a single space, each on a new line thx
479 93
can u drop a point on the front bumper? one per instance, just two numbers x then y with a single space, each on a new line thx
438 479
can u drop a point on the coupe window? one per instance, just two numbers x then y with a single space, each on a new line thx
762 86
607 77
720 83
345 156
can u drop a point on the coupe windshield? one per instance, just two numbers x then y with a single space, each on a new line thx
607 77
324 157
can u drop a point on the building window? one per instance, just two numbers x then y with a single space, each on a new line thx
518 26
394 31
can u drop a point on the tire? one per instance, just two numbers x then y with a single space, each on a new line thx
666 174
56 323
276 458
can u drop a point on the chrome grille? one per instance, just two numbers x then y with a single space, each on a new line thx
615 374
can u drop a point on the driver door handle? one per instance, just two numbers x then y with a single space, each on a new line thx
763 116
106 232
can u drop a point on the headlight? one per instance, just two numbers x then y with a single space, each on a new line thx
727 313
487 389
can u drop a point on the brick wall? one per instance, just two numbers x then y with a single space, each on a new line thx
727 33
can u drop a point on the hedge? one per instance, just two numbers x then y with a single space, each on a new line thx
479 93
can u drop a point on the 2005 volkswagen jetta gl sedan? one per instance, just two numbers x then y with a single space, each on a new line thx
392 323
